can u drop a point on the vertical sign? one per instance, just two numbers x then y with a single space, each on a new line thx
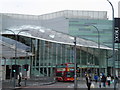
117 30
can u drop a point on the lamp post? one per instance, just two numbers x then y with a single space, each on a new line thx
26 65
15 50
98 48
113 25
75 65
99 52
98 44
97 33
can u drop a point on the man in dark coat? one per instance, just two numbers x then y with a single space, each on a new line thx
88 81
19 79
104 80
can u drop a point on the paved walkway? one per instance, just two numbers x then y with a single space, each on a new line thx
31 82
52 84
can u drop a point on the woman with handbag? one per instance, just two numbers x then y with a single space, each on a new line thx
88 81
108 80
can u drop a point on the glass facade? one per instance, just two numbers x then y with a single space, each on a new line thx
86 29
48 54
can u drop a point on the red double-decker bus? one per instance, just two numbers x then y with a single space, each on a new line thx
65 72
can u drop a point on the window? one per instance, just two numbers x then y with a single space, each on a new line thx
69 74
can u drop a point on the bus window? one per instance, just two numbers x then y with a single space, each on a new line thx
59 74
69 74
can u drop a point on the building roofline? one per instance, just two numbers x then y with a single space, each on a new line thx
65 13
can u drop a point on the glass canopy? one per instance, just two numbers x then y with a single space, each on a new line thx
46 34
39 32
7 48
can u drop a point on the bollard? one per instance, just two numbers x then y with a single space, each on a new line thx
25 80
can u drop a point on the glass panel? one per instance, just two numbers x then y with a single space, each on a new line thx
70 65
59 74
83 57
69 74
61 66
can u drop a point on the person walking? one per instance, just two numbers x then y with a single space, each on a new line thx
104 80
100 79
116 80
19 80
96 78
88 81
108 80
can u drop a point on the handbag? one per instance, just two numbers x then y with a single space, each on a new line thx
92 85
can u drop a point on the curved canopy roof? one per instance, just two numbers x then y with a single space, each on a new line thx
53 36
7 48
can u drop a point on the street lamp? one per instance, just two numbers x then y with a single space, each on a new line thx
98 32
15 49
75 63
99 52
98 47
113 25
26 66
75 66
98 44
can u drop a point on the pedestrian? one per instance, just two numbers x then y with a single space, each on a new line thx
104 80
96 78
100 79
108 80
88 81
19 79
112 79
116 80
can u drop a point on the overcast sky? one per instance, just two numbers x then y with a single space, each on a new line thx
38 7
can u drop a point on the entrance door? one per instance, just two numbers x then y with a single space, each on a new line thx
8 71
